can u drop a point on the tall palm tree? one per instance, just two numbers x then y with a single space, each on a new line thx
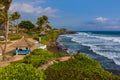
2 17
42 21
5 8
2 14
15 17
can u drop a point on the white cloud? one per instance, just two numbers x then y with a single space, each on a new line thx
106 24
38 1
22 7
101 19
32 9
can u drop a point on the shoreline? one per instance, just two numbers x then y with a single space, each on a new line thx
114 72
57 48
60 49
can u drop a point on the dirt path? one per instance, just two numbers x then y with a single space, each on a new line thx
15 57
57 60
10 48
12 59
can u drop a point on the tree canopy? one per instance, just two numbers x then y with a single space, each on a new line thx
26 25
15 16
4 11
42 21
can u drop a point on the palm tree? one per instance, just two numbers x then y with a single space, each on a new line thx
2 17
45 19
42 21
5 8
15 17
2 14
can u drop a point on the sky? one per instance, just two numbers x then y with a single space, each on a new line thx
80 15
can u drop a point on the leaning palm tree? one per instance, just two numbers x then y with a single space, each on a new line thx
5 5
15 17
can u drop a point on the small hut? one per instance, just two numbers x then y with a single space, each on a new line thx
23 46
12 29
43 33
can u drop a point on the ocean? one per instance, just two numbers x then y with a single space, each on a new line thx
103 46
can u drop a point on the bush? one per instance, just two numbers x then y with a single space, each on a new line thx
36 38
14 37
80 68
20 72
40 56
52 35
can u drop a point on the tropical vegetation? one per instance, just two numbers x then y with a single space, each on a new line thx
21 71
42 21
40 56
28 25
80 68
4 17
14 18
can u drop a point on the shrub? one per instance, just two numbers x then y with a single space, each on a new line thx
36 38
14 37
80 68
40 56
52 35
20 72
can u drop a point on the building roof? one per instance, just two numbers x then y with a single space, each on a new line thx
23 43
12 28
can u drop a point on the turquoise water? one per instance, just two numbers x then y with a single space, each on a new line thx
103 46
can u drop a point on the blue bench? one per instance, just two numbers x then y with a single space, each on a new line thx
22 51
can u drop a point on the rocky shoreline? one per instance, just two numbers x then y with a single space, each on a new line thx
56 48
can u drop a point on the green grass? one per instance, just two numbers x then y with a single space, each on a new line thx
40 56
81 68
15 37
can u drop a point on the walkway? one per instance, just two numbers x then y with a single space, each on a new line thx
57 60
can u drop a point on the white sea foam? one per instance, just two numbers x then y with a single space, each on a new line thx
117 60
107 46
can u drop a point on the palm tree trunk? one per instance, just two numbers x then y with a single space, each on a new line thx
6 39
17 26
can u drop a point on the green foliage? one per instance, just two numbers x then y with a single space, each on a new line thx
36 38
80 68
15 16
20 72
15 37
62 31
26 25
41 21
48 26
40 56
52 35
2 17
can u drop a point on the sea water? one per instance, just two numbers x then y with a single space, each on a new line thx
103 46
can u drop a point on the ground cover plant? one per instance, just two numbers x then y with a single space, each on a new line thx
80 68
40 56
21 71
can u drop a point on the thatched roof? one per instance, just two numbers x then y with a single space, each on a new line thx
23 43
12 28
43 32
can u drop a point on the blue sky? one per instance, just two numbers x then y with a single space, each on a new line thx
72 14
